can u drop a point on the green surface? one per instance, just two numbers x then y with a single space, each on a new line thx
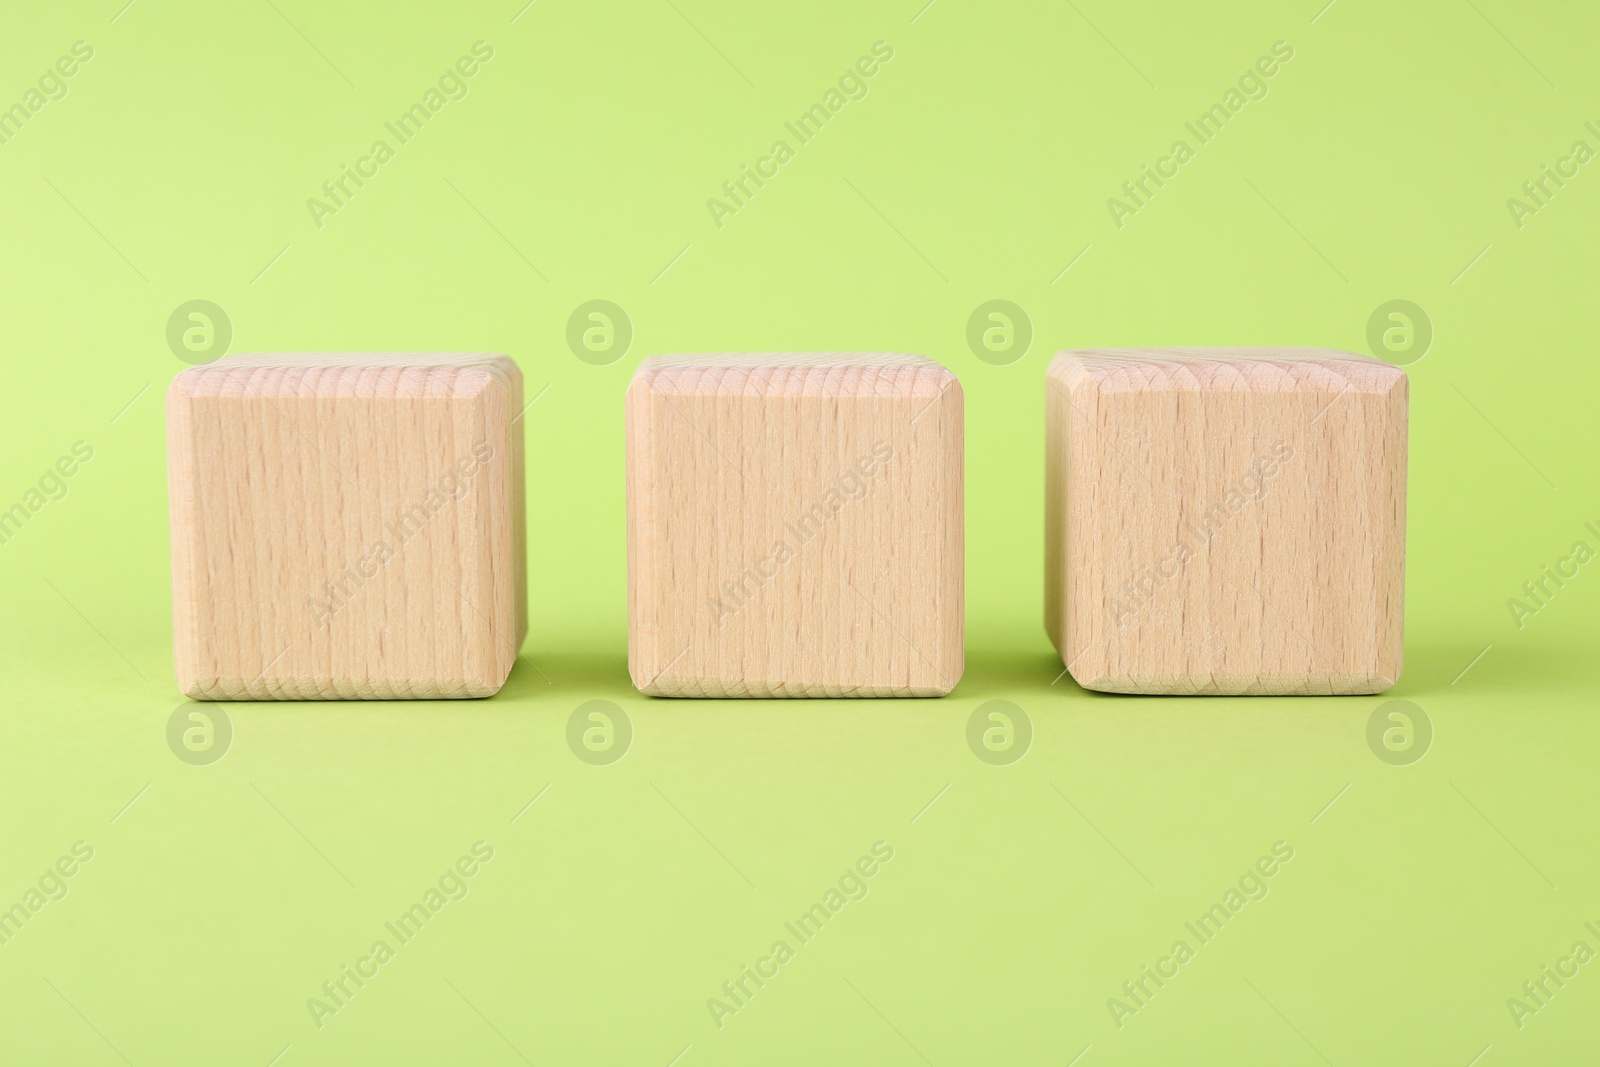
219 898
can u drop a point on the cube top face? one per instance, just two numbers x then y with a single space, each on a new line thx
1226 520
412 375
795 526
346 526
885 375
1252 370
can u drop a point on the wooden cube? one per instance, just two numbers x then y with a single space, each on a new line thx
346 526
794 526
1226 520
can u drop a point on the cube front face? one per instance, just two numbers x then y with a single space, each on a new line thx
1226 521
795 527
346 527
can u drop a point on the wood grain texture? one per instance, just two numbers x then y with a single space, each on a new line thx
795 526
346 526
1226 520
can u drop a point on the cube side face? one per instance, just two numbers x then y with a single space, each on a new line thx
1058 422
795 531
1236 540
503 419
345 533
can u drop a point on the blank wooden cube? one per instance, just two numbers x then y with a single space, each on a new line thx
1226 520
794 526
346 526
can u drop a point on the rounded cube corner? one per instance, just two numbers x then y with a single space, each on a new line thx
651 687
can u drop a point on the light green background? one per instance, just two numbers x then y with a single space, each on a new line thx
978 167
